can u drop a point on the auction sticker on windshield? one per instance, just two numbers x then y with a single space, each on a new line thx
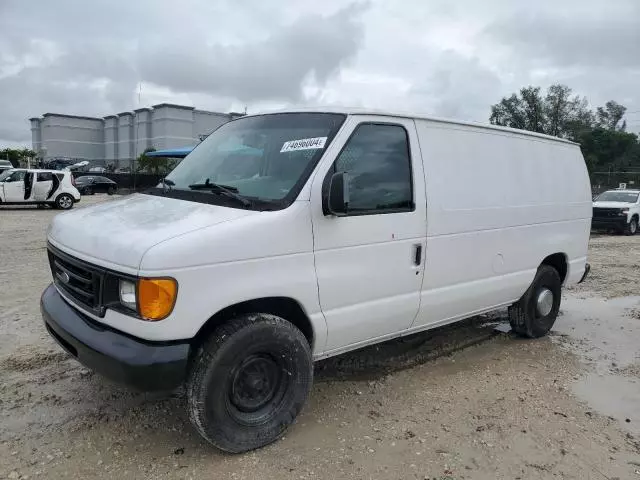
303 144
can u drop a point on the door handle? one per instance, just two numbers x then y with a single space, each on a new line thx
417 254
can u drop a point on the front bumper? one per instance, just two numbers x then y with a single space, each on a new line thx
120 357
606 223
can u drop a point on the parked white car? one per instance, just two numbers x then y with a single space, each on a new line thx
617 210
5 165
349 228
21 186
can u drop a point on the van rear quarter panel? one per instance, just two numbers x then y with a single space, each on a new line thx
498 203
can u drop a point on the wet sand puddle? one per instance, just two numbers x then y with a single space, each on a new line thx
605 334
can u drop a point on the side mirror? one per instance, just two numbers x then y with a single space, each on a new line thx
338 202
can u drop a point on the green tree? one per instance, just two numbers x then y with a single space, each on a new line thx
558 113
155 165
17 156
602 134
509 113
614 150
566 116
611 116
533 109
525 111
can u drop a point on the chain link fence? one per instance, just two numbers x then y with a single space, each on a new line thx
601 181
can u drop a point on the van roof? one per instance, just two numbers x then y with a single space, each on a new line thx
364 111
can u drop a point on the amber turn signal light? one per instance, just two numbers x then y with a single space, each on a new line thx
156 297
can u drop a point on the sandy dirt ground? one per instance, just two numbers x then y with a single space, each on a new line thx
463 402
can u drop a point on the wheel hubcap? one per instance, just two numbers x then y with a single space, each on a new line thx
255 383
65 202
544 303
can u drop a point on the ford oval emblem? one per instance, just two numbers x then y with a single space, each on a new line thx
64 277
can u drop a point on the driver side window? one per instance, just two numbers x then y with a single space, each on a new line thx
377 161
16 176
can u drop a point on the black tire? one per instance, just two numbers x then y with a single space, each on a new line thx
249 381
111 190
632 227
524 315
64 201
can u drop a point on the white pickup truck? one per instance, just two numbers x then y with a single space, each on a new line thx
617 210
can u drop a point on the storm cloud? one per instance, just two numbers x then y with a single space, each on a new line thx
438 57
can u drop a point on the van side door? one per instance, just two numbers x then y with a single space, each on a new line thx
369 263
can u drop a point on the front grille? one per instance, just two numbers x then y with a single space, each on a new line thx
80 281
599 212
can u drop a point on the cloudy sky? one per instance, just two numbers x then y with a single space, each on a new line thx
441 57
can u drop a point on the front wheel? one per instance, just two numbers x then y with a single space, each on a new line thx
249 381
64 201
111 191
535 313
632 227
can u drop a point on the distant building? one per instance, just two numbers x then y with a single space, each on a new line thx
119 139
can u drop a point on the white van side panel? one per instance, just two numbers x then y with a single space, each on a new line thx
497 204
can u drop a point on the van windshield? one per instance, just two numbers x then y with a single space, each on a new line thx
617 196
251 161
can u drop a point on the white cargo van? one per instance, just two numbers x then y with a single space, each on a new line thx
291 237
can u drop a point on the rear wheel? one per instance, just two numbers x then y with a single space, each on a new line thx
64 201
536 312
249 381
111 190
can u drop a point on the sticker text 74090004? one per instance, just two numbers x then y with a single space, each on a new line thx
303 144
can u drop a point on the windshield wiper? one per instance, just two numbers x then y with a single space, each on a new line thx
207 185
226 190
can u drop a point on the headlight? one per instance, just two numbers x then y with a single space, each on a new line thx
623 211
151 298
156 297
128 294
